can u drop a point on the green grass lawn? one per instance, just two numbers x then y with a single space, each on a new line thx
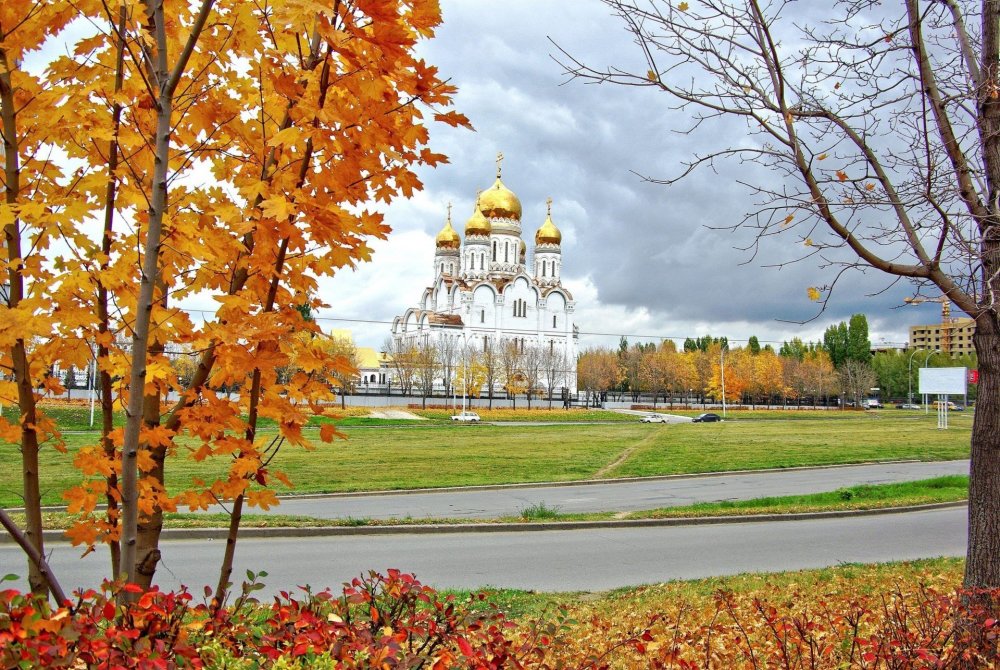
431 454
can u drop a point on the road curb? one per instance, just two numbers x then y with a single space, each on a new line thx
413 529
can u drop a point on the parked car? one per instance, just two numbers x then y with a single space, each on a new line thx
951 406
908 405
707 417
873 403
653 418
466 416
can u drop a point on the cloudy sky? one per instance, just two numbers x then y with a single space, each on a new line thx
642 260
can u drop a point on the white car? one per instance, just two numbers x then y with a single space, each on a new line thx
466 416
653 418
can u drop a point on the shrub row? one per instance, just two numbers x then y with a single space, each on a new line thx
393 621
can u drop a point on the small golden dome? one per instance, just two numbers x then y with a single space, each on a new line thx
498 202
448 238
524 250
477 223
548 233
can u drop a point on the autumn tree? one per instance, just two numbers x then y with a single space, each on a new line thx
247 183
425 363
470 373
448 354
512 369
554 366
532 359
491 362
404 357
597 371
881 128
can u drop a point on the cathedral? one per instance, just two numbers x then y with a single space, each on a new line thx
487 290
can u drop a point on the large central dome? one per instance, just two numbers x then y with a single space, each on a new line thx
499 202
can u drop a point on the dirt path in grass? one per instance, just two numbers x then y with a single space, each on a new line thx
395 414
624 456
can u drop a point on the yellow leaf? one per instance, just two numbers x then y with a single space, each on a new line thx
288 136
821 157
813 293
683 6
869 187
808 242
650 75
841 175
788 219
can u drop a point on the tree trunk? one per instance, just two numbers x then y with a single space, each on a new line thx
19 357
982 569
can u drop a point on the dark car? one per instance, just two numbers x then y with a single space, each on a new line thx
707 418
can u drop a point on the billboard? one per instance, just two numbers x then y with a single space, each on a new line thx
942 381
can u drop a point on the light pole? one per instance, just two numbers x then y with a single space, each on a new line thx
929 353
909 378
722 374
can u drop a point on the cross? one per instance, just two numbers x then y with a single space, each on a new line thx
449 212
548 203
499 161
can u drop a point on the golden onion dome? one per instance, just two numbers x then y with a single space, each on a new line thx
499 202
448 238
548 233
477 223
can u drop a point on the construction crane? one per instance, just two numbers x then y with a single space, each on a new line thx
946 320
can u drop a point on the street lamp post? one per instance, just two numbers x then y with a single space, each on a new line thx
722 374
929 354
909 378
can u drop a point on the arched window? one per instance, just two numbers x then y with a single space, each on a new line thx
494 251
554 320
506 252
543 268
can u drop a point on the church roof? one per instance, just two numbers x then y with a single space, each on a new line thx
439 319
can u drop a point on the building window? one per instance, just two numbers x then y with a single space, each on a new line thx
494 251
482 316
506 253
554 317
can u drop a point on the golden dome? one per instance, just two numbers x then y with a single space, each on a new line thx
477 223
498 202
448 238
548 233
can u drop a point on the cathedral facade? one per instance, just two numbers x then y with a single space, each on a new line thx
488 291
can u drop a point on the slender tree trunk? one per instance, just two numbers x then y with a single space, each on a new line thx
15 293
144 303
150 527
103 314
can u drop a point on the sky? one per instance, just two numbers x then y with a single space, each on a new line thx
642 260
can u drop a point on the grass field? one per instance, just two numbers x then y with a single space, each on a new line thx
864 497
436 454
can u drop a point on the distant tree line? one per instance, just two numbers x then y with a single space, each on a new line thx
840 366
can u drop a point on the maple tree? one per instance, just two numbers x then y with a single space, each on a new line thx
229 148
877 130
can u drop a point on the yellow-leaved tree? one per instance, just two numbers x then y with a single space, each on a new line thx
218 147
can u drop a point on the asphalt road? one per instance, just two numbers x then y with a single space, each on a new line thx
545 560
622 496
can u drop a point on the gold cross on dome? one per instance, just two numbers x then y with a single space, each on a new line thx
499 161
548 204
449 212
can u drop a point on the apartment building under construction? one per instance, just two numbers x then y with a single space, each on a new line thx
953 337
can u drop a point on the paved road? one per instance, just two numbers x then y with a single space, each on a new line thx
547 560
612 496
